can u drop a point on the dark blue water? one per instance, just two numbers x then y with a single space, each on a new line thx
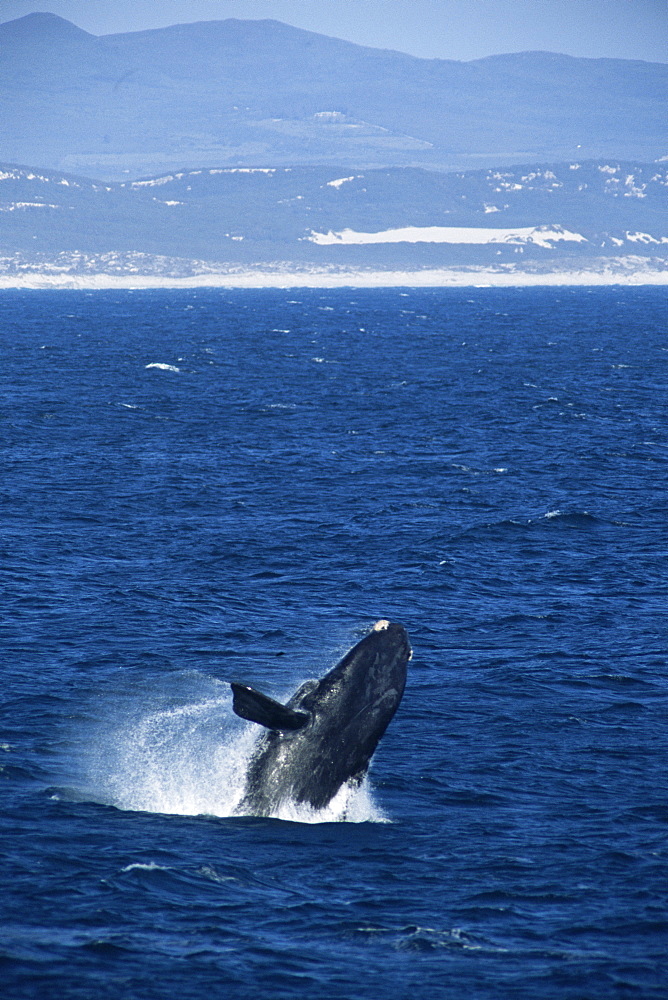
487 467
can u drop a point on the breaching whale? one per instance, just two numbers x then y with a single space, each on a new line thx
327 732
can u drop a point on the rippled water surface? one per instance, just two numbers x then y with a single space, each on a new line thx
211 485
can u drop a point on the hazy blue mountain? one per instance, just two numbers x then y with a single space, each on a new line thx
249 216
260 92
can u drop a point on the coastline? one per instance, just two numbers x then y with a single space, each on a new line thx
317 278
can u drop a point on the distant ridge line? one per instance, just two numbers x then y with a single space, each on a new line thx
235 92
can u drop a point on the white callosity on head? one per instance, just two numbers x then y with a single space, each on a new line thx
383 624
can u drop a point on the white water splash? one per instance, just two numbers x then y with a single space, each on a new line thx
191 760
170 762
351 804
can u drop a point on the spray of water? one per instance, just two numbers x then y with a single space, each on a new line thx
191 760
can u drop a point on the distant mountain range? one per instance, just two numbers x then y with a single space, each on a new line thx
249 144
239 93
550 216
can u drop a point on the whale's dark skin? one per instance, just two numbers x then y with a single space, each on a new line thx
326 734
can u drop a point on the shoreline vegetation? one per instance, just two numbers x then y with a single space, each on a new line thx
323 278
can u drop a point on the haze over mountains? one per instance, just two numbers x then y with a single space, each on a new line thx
228 93
243 143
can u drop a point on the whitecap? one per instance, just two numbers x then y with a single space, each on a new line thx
149 867
208 871
163 367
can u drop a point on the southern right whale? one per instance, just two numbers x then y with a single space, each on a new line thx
327 732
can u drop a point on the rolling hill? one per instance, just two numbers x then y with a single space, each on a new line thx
239 93
552 216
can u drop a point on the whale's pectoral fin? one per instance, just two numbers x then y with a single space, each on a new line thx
257 707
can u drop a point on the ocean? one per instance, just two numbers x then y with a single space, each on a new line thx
211 485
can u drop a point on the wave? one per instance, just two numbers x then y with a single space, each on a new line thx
551 518
576 519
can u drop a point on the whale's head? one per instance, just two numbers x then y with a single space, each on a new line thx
368 682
